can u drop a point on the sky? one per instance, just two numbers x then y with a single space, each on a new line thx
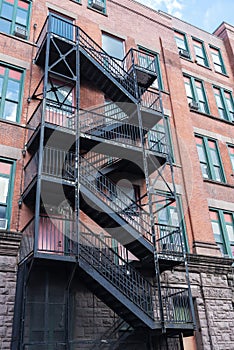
205 14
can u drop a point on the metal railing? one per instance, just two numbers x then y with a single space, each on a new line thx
176 305
168 241
117 271
150 100
55 162
56 235
119 69
115 198
27 240
142 60
120 131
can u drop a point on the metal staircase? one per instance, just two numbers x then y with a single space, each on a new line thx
72 153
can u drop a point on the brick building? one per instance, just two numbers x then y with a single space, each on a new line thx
113 236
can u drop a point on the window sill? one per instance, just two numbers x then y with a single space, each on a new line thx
212 117
97 11
12 123
77 2
225 184
201 65
186 59
223 74
26 41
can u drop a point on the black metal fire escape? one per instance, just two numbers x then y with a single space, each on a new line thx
73 157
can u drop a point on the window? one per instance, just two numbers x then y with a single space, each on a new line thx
6 189
200 52
14 17
196 95
11 81
223 229
113 46
209 159
158 83
224 101
231 153
171 215
164 127
217 60
182 44
99 5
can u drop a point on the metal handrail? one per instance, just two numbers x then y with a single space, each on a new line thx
111 65
117 271
114 130
116 199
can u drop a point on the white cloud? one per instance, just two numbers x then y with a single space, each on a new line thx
173 7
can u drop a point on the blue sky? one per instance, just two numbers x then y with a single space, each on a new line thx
205 14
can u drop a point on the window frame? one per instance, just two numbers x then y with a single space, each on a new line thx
208 159
11 178
223 99
204 57
185 42
14 15
104 11
230 146
4 91
180 214
194 93
219 55
159 80
227 244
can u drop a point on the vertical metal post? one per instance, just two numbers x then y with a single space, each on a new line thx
147 182
41 142
77 125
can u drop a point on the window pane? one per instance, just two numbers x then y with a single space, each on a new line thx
5 26
21 17
1 83
13 88
7 11
214 157
4 183
201 154
113 46
218 174
2 212
5 168
230 231
10 111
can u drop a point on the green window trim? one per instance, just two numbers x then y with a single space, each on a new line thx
158 84
210 159
97 5
15 18
196 94
224 102
231 155
223 228
182 44
200 52
5 89
179 217
217 60
11 177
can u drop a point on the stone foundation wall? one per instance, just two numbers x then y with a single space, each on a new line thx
9 244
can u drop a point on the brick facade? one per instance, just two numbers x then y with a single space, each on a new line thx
211 274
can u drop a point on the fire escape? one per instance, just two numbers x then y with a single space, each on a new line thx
75 156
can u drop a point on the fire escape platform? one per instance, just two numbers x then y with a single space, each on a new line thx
54 135
53 190
124 151
90 68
